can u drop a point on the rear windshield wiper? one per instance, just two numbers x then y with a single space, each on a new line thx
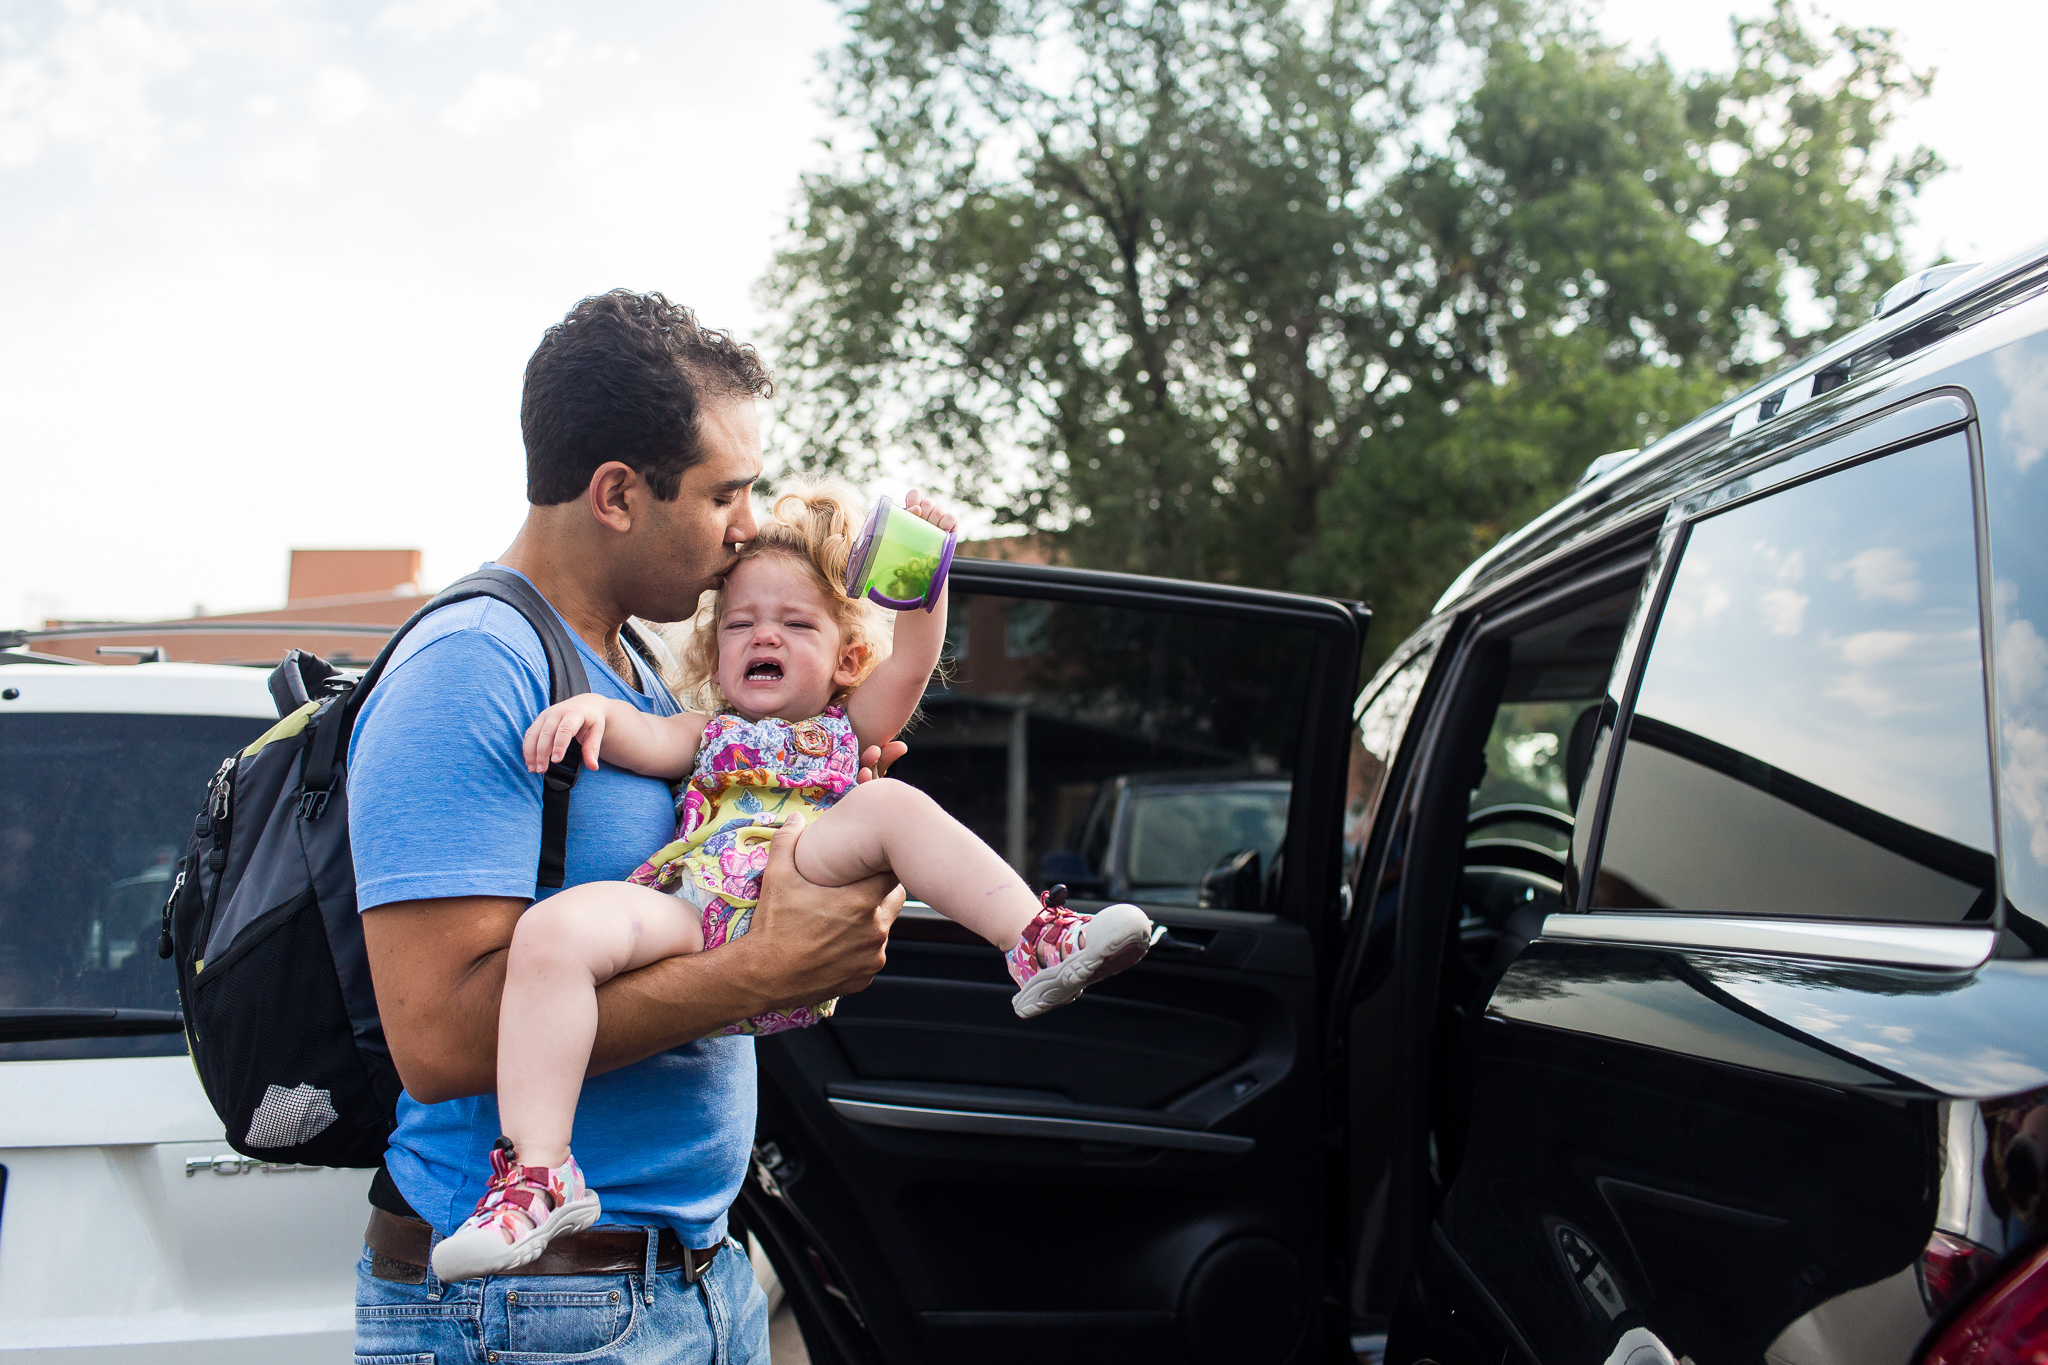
25 1025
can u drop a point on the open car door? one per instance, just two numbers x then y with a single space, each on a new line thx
1141 1175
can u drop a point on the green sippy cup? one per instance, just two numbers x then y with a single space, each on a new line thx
900 560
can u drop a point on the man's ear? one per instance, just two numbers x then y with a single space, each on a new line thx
853 657
613 490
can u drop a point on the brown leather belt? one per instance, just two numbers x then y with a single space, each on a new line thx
399 1247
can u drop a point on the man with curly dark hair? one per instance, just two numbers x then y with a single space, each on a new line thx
642 442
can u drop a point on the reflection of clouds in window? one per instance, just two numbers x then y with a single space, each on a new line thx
1882 574
1876 646
1930 655
1866 696
1698 596
1783 610
2022 691
2022 662
1785 566
2024 423
1866 678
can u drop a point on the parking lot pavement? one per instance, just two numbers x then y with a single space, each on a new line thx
785 1341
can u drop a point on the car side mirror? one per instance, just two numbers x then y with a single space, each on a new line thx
1233 882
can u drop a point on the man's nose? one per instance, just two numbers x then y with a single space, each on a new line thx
741 528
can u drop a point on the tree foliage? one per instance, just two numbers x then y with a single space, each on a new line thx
1318 296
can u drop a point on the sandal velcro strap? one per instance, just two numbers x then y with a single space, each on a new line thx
524 1196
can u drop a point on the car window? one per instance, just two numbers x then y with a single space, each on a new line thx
1176 834
94 812
1521 809
1809 736
1118 750
1388 704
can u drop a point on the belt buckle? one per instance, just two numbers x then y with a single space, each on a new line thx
693 1269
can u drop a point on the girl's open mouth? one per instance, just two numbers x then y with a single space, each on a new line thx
763 670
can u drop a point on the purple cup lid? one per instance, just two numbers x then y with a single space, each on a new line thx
863 557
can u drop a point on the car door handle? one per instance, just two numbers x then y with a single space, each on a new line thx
929 1119
1183 942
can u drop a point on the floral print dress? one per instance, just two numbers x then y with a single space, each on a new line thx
749 776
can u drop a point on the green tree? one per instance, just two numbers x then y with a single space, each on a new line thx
1316 296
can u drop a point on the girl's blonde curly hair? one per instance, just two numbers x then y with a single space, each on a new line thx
815 523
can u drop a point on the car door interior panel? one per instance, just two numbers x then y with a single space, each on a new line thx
1138 1175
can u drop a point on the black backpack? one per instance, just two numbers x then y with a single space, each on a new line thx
279 1010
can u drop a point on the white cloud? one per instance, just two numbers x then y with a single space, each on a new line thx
1783 610
1785 566
1882 574
1872 699
2023 782
494 101
2022 663
1699 595
89 89
423 19
1876 646
2024 423
340 96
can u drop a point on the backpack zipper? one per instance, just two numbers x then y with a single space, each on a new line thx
219 807
164 947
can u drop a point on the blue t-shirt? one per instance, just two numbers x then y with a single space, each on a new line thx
441 804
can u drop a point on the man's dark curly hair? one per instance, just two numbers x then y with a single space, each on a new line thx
625 377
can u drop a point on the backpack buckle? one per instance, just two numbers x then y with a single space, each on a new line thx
312 804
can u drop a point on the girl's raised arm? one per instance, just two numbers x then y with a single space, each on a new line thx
880 707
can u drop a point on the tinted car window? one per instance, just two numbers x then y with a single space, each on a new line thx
94 813
1809 737
1106 746
2015 436
1382 720
1177 833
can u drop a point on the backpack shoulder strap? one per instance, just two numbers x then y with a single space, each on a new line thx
566 678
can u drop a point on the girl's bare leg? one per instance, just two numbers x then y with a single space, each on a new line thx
564 948
884 825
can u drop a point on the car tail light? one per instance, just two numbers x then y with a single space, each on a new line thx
2006 1325
1948 1268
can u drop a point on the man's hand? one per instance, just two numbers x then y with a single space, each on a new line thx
876 759
826 940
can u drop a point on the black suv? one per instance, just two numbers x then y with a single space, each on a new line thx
1654 967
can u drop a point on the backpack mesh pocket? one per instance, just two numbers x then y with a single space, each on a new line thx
279 1062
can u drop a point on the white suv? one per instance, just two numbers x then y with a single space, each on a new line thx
129 1230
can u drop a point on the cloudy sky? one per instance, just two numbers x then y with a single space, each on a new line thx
269 271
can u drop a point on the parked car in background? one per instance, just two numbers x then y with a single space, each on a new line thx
1156 836
1656 968
129 1230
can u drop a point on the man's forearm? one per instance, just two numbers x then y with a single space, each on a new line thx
439 967
675 1001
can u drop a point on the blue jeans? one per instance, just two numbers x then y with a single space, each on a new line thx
722 1319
